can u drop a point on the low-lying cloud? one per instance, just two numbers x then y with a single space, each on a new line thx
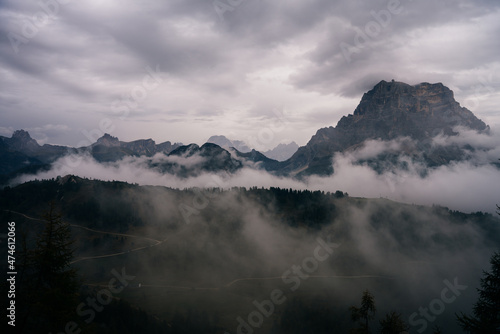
469 186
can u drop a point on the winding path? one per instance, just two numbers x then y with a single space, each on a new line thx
158 242
309 276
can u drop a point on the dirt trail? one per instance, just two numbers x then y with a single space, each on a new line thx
156 242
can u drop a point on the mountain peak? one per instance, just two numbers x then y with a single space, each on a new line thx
282 152
108 140
388 111
22 141
226 143
389 84
428 107
21 135
220 140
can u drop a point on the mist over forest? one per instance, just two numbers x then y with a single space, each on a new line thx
376 169
216 252
250 167
206 239
394 209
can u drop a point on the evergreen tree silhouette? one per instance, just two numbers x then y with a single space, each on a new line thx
486 311
363 314
48 286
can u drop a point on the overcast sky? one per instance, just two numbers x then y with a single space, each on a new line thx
260 71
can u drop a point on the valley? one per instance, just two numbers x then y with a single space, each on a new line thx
249 246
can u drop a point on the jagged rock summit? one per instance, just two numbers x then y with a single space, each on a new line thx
421 111
107 140
226 143
108 148
21 141
281 152
389 111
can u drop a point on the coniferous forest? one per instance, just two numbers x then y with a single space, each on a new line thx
113 257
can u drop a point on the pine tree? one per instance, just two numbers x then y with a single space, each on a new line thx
393 324
486 318
437 330
363 314
49 285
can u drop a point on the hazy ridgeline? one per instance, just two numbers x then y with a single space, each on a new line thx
221 250
145 177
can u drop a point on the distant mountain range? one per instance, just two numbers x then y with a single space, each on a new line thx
22 154
109 148
226 143
413 116
281 152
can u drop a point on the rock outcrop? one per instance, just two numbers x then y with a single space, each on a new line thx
389 111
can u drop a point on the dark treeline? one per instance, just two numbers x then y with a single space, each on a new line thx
51 298
112 205
215 236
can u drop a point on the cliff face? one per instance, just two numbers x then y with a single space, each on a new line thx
393 109
388 111
109 148
21 141
282 152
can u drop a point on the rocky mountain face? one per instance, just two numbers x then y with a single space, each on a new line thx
282 152
226 143
22 142
22 154
255 159
14 160
109 148
192 160
106 148
390 110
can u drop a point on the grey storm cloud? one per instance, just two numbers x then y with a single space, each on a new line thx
66 62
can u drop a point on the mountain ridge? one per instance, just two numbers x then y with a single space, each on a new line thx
281 152
389 111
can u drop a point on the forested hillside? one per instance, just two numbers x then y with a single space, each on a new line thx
213 254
